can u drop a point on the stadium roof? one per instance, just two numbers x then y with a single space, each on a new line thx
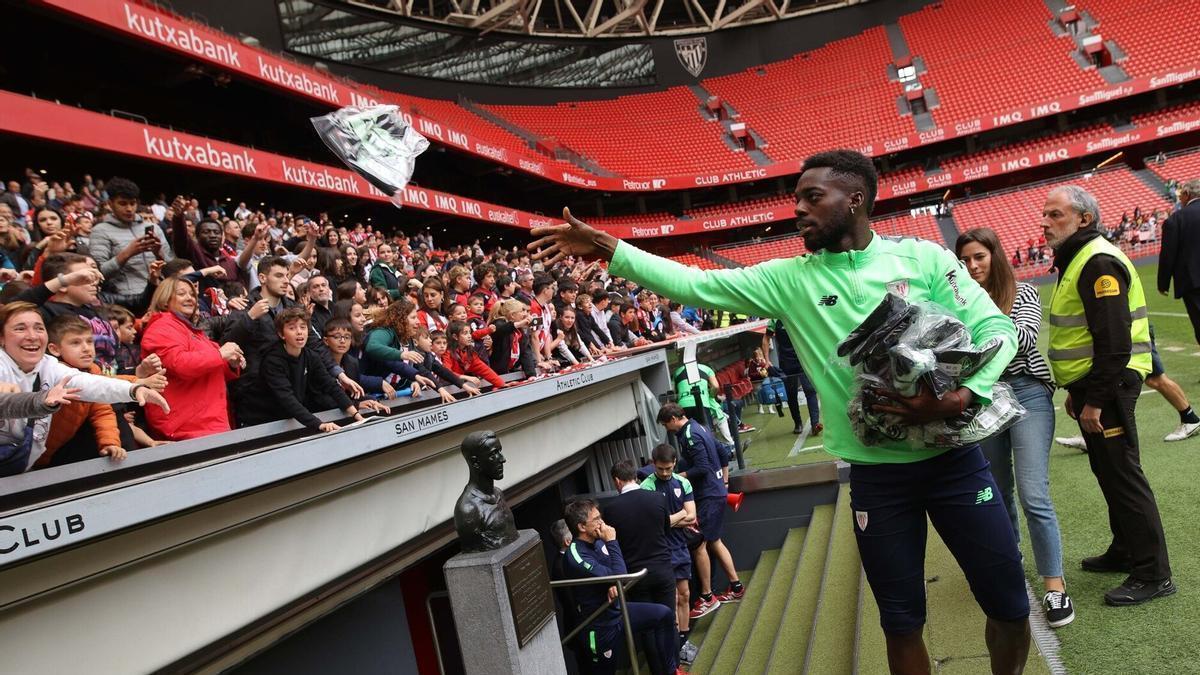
553 18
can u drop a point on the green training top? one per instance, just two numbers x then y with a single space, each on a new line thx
822 297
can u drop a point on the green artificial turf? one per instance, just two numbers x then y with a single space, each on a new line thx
773 440
757 651
735 638
831 651
791 641
709 632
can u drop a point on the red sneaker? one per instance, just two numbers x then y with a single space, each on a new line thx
731 595
701 608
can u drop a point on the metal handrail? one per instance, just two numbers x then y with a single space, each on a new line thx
623 582
437 645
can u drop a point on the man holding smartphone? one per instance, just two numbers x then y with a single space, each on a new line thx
124 245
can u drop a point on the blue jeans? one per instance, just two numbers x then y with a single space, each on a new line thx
1025 447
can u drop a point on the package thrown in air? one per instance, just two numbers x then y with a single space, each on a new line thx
376 143
902 346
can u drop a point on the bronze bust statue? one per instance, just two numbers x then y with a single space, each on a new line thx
482 517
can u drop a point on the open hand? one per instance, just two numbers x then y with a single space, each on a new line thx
573 238
146 395
157 381
353 389
62 393
374 406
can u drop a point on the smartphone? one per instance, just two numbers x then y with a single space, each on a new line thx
149 236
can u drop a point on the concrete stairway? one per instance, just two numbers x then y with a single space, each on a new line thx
801 610
809 611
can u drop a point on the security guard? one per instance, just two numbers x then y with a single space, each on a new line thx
1100 352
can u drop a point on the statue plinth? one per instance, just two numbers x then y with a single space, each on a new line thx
504 609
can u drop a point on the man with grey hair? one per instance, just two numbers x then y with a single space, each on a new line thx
1180 257
1100 352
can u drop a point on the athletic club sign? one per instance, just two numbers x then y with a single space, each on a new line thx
693 54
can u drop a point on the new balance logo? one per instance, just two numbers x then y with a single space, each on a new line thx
827 300
985 495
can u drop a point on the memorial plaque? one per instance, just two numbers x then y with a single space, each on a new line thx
528 585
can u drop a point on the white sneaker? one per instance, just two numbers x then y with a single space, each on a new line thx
1184 430
1072 442
760 410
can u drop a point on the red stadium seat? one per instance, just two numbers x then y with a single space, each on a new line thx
1139 30
989 57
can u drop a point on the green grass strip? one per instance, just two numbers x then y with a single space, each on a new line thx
871 656
716 625
770 615
837 609
791 640
739 630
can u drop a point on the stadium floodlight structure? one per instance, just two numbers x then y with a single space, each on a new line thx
601 18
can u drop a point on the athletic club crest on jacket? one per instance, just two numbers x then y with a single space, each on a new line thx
693 54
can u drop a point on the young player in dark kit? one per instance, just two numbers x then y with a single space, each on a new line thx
821 298
706 471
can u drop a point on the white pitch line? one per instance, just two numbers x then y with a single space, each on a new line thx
1181 315
1173 348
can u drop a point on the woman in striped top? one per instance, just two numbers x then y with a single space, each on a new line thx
1024 447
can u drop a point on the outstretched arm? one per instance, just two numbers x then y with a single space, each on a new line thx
748 290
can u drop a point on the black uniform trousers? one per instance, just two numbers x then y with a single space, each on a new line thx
1191 302
657 587
1116 462
793 382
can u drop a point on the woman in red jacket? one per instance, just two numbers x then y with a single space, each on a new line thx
461 357
197 368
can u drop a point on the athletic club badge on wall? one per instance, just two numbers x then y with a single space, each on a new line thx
693 54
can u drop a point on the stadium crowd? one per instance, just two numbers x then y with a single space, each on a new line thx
227 317
126 325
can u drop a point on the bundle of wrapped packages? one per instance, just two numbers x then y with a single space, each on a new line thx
902 346
376 142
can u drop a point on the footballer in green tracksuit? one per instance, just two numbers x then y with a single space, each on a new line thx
821 298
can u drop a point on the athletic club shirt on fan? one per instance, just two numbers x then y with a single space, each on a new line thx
822 297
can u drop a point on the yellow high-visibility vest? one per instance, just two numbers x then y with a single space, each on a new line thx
1070 352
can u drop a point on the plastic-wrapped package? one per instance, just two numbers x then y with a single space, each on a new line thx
977 423
376 143
901 347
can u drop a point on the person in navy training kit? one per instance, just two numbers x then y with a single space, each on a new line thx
707 476
681 502
596 553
